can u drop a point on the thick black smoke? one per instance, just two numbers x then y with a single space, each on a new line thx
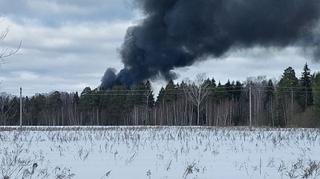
109 78
176 33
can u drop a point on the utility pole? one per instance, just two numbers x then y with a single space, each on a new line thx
250 106
306 97
148 93
20 107
291 103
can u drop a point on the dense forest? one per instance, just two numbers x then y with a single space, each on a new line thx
290 102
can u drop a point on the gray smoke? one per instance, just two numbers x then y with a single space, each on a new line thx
176 33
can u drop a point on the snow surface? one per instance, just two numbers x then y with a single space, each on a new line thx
160 152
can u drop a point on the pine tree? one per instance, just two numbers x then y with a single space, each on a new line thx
86 104
86 99
149 94
237 90
13 114
170 92
116 104
160 96
55 104
305 88
316 92
220 92
286 87
269 101
229 89
289 79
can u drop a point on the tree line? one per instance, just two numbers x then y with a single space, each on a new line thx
291 101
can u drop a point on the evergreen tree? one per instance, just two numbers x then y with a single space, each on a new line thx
38 106
288 83
160 97
139 93
287 86
305 88
220 92
170 92
237 90
289 79
55 105
229 89
13 112
269 91
316 92
76 99
211 87
269 102
149 94
116 104
86 104
86 99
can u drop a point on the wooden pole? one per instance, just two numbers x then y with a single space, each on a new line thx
20 107
250 106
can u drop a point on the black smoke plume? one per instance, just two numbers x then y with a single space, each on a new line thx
176 33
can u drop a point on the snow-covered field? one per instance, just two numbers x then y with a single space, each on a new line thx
159 153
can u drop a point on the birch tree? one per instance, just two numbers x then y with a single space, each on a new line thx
197 92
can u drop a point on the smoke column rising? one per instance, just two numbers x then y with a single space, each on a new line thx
176 33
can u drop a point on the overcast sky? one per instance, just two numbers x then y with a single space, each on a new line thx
67 45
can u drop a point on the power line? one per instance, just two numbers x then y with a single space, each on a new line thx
177 91
217 87
180 93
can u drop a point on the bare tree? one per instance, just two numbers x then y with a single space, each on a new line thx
197 92
7 109
6 51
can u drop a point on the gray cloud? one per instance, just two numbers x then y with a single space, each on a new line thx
67 45
60 12
254 62
67 57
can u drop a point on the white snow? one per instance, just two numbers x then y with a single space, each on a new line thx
160 152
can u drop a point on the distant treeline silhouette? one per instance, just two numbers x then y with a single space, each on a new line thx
291 101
